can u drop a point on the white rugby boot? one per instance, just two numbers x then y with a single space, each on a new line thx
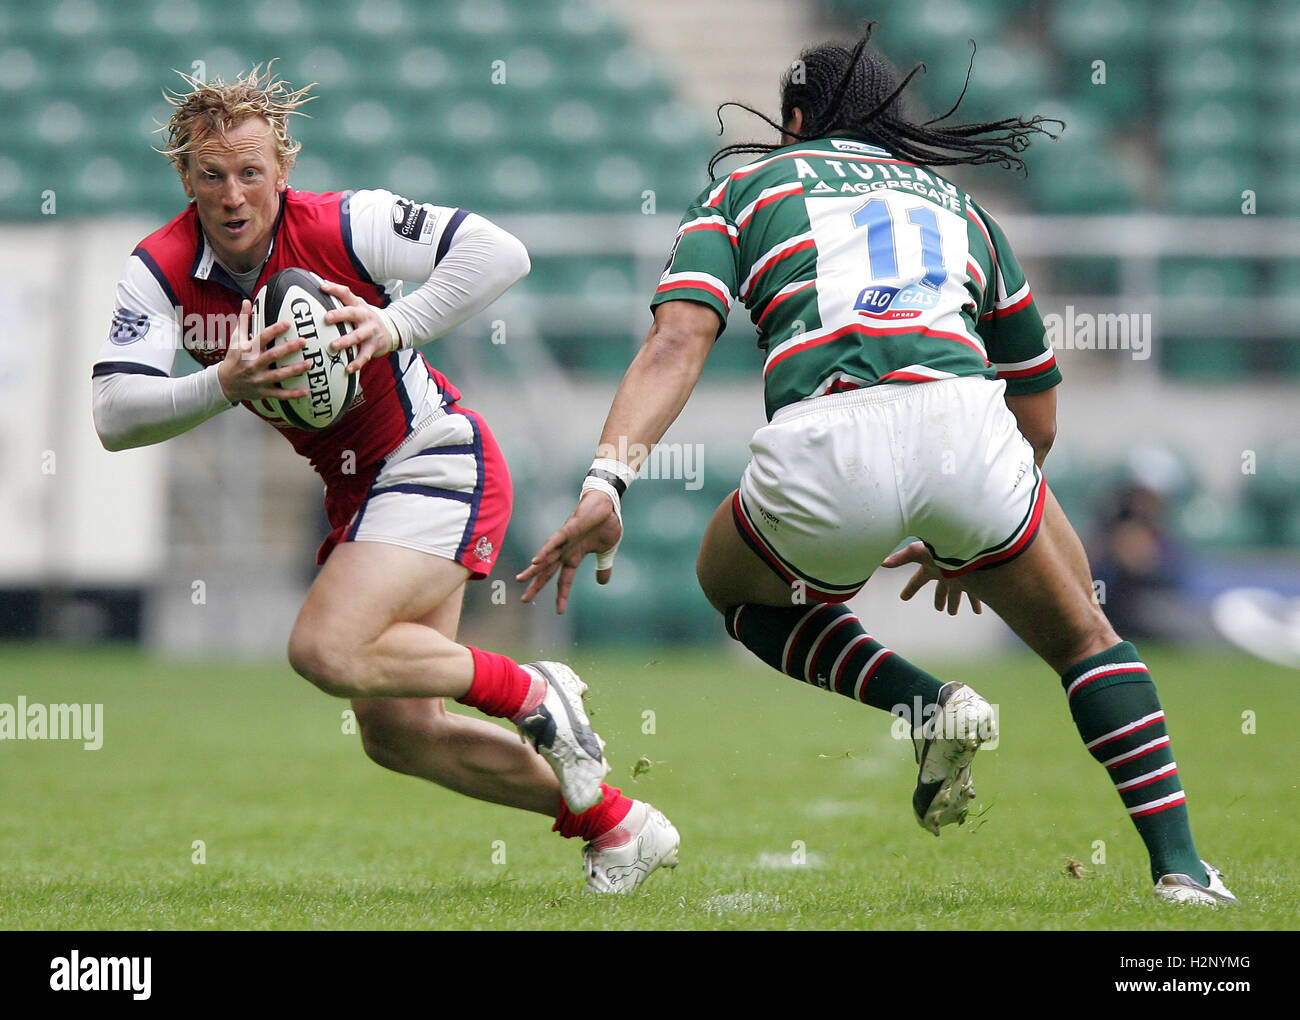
560 731
1179 888
651 843
944 749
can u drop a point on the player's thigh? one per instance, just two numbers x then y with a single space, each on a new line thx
730 573
365 587
434 516
1045 594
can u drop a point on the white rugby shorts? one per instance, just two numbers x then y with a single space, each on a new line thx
835 483
444 491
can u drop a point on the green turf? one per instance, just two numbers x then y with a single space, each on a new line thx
793 805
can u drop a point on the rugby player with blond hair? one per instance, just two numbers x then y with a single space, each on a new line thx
416 489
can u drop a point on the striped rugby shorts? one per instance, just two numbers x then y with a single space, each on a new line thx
445 490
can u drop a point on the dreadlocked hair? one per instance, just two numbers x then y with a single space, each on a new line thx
855 93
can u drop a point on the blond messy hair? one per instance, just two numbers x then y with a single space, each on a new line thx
217 106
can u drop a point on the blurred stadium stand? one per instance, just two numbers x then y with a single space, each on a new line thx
586 127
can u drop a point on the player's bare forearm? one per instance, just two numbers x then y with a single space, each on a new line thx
652 394
659 380
1035 415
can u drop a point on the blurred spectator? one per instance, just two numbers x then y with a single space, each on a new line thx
1140 565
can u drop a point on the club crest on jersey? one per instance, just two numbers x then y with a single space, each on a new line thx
127 327
413 222
483 548
881 302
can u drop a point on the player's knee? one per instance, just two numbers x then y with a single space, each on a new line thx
323 659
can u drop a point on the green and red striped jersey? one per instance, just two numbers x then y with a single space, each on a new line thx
858 268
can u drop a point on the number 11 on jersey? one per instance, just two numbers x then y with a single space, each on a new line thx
882 257
875 215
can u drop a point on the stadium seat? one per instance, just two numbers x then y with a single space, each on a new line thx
22 181
1211 184
1211 22
414 176
1231 73
1083 275
1284 280
1005 76
1282 82
1207 278
24 72
943 25
1099 29
99 186
1198 128
1069 180
1274 491
1125 91
383 19
1204 359
69 21
1278 24
1280 195
61 126
1282 139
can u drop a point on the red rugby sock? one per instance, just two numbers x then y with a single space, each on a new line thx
594 822
502 687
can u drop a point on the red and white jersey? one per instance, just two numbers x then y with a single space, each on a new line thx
174 293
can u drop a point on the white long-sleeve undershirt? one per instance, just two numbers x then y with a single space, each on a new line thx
138 410
480 262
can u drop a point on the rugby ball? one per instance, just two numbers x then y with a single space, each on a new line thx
295 296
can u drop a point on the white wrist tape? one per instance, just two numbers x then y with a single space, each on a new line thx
611 477
617 468
395 338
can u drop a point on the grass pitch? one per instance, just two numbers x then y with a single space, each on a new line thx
230 797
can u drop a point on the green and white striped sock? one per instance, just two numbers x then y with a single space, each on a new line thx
1114 705
827 646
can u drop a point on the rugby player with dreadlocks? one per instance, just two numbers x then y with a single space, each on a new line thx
909 392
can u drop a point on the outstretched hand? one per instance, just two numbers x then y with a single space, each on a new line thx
947 591
593 527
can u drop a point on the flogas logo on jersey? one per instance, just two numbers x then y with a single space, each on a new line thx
894 303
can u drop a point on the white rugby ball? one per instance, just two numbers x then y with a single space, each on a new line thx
295 296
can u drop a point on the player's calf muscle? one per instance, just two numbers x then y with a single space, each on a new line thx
392 729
